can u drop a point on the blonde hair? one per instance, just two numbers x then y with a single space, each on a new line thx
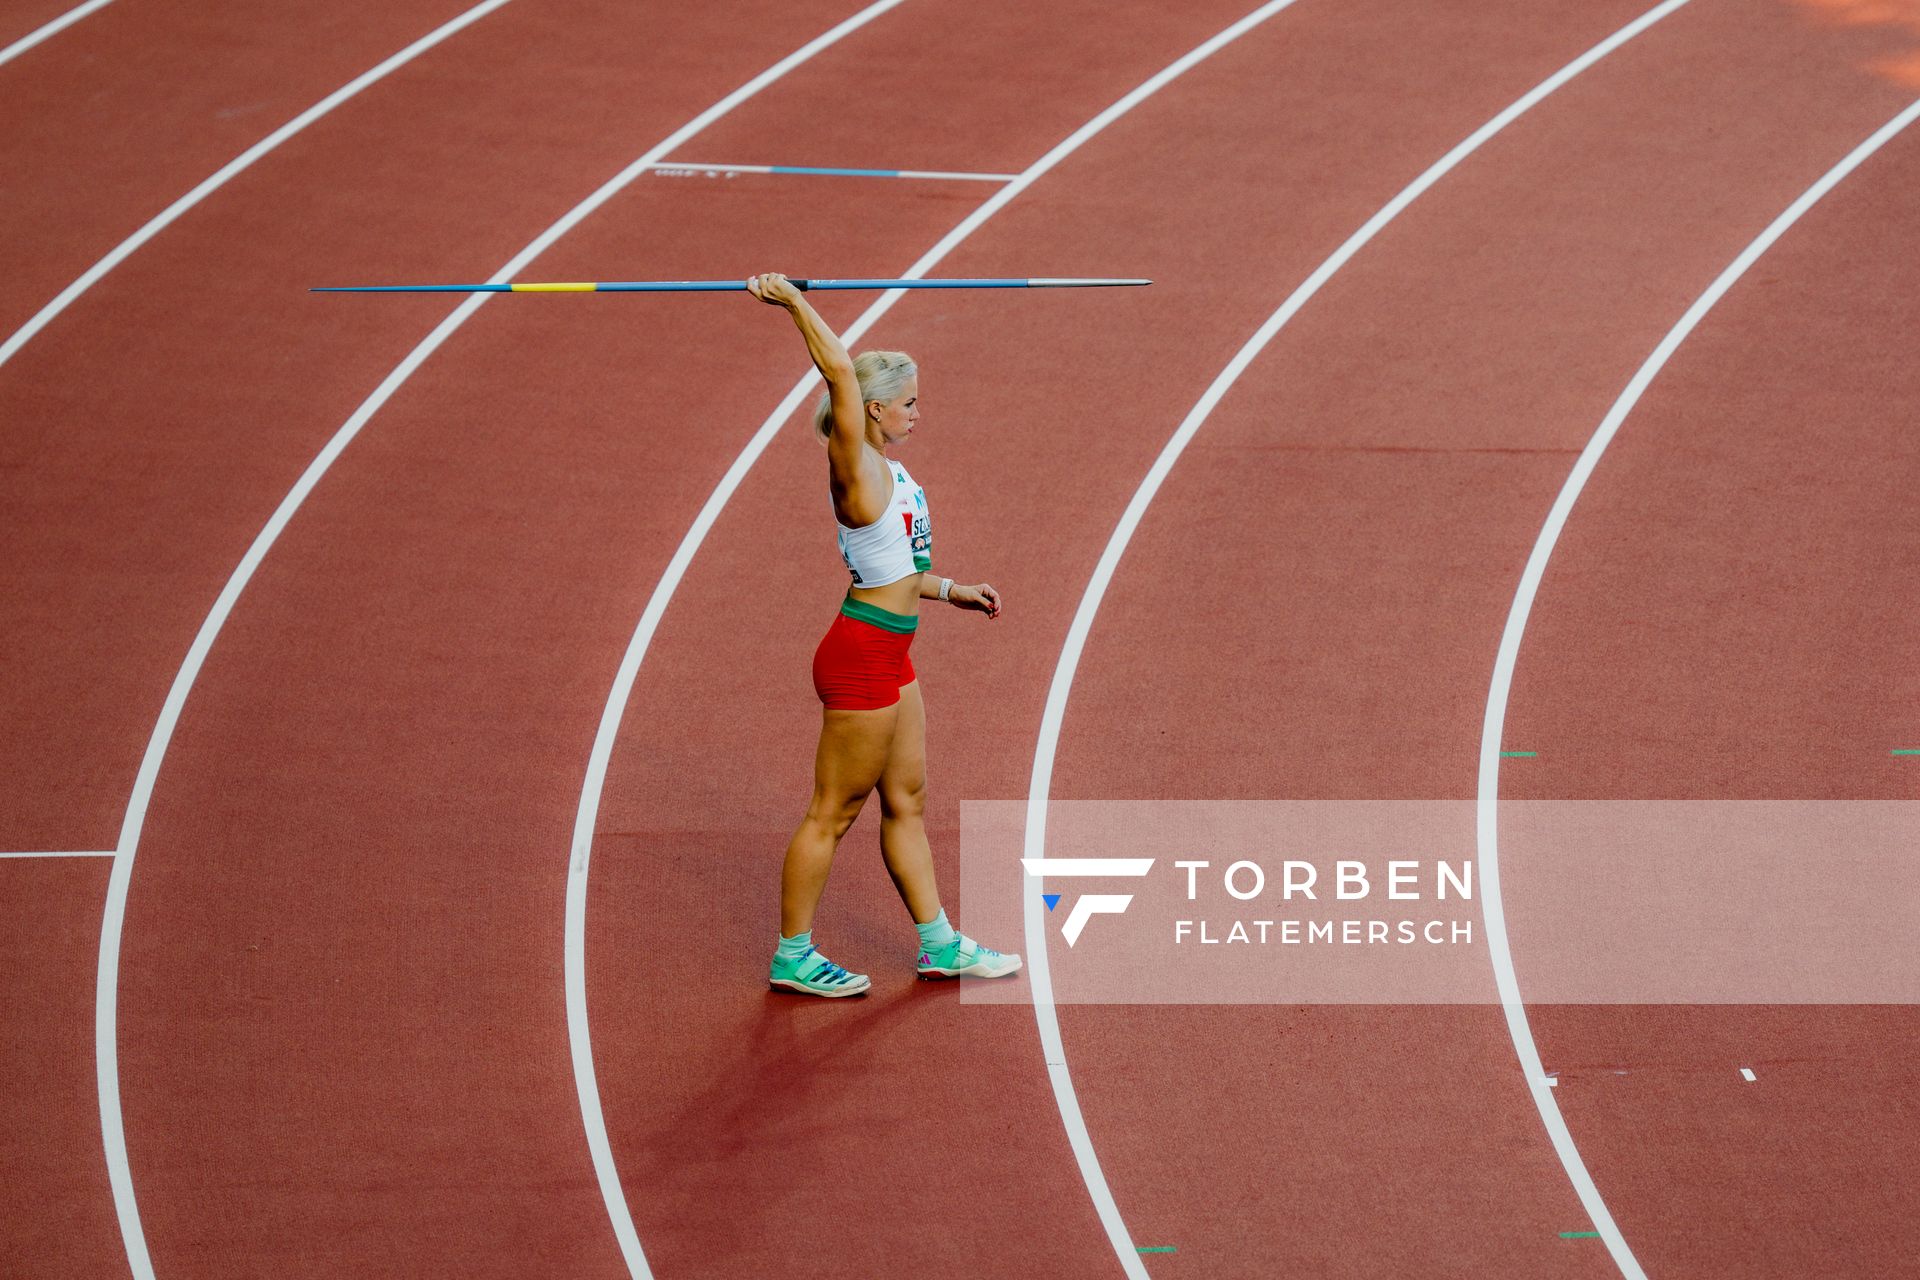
882 374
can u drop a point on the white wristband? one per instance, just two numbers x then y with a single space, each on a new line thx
946 585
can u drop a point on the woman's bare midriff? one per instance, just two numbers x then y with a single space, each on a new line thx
896 597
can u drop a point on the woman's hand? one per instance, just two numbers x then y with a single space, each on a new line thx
981 596
774 289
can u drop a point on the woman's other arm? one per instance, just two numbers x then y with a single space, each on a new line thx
980 596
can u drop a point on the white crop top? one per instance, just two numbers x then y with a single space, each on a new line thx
900 542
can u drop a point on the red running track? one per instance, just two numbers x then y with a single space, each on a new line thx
23 18
342 1033
1408 433
1751 534
125 111
108 525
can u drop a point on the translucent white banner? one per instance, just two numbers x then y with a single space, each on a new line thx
1383 901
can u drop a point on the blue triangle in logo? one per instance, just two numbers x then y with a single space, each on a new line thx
1051 899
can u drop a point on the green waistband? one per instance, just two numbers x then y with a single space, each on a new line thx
886 619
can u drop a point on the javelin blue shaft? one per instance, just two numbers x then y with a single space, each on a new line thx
916 284
722 286
705 286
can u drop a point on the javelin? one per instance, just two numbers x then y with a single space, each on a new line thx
721 286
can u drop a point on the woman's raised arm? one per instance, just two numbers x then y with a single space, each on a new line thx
846 442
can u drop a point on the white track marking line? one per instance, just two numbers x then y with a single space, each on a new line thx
107 983
53 28
238 165
1501 687
595 780
1041 783
1746 1073
683 168
107 988
64 853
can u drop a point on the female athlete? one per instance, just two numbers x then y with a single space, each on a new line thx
873 729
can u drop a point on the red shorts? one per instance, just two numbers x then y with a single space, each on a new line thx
861 666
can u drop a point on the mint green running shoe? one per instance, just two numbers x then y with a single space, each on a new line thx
965 958
815 975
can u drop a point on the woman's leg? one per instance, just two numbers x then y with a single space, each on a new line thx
903 842
903 799
852 753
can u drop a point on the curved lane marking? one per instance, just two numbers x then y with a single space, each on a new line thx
1487 813
1069 661
233 168
596 776
50 29
106 992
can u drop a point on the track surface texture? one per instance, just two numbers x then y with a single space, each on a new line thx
342 1036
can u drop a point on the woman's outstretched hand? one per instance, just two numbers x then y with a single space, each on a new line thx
981 597
774 289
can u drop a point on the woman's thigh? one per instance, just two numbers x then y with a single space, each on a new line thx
903 781
853 753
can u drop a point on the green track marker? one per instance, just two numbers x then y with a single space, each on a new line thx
1520 755
1579 1235
1155 1248
1906 751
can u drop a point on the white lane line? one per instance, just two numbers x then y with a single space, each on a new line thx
107 988
688 168
53 28
107 983
64 853
1041 783
233 168
595 779
1497 694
